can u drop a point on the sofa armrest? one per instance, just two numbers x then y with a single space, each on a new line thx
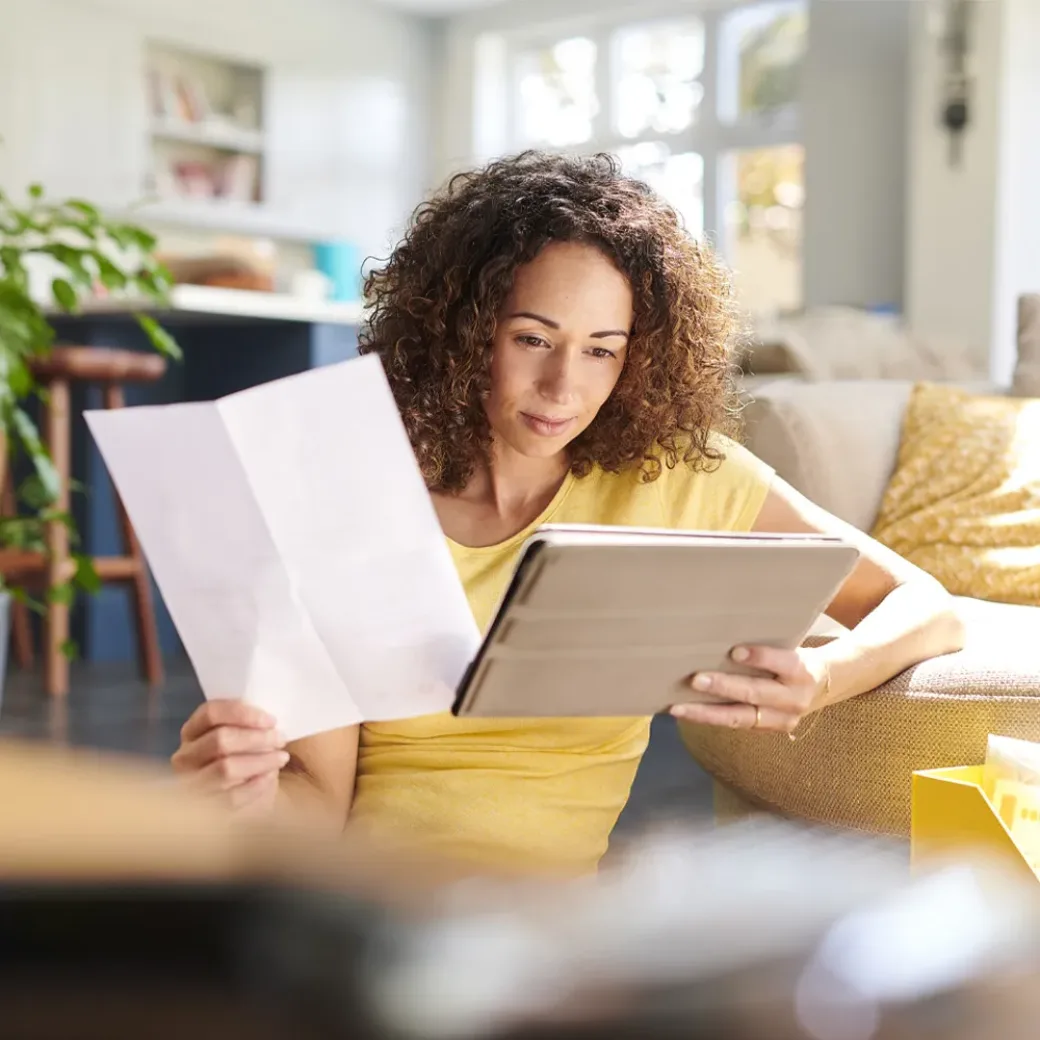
853 766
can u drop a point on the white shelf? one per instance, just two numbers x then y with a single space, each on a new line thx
203 299
236 303
243 218
209 135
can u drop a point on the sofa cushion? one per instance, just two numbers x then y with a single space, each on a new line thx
852 766
1026 381
836 442
964 501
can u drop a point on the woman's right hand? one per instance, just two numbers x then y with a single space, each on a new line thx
234 750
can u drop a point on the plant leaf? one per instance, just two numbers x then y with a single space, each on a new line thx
144 240
22 532
72 259
89 211
160 338
36 191
65 294
19 378
147 282
111 276
34 493
86 577
63 594
163 276
22 596
49 484
14 268
70 648
15 325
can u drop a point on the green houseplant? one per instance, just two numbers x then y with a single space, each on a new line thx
52 256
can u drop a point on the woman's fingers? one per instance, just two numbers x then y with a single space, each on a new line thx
227 741
226 773
789 688
225 713
738 716
745 689
784 664
232 749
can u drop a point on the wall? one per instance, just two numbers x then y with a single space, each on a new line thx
854 128
973 240
854 103
1018 178
951 231
350 102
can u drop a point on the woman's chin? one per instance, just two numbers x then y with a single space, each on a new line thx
536 446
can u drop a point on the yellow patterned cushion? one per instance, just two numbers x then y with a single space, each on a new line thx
964 501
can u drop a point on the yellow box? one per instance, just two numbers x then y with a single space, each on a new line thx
951 815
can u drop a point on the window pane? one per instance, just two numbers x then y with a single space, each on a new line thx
556 96
678 179
656 77
763 230
761 58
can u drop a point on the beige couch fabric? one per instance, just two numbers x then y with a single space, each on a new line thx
835 342
1027 370
853 766
836 442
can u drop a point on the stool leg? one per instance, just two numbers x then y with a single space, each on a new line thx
58 433
21 629
21 636
148 651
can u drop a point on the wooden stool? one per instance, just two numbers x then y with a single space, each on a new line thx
57 372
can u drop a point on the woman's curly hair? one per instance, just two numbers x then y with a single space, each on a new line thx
435 303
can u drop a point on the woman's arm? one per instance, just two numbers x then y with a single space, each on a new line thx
896 614
318 780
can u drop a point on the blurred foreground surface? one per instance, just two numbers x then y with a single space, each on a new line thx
128 909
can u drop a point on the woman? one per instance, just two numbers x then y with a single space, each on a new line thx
559 349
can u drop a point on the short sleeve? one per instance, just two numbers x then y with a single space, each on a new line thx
728 496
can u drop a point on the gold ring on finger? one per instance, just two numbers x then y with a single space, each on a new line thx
758 717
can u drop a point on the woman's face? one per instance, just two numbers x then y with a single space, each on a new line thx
559 348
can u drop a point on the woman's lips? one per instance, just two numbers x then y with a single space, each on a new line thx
545 426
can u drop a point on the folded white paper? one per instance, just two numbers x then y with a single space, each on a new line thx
297 549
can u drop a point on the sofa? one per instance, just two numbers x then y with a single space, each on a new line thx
837 442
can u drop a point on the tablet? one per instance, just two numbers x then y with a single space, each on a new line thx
609 621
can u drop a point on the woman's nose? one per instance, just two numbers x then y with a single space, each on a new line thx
558 375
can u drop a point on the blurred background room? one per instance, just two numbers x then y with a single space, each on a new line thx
869 168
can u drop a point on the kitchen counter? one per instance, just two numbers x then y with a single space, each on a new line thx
190 303
232 339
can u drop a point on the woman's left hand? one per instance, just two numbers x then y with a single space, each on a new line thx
797 685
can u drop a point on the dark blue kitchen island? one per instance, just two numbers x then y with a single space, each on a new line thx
231 340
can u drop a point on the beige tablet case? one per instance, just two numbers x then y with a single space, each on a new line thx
613 622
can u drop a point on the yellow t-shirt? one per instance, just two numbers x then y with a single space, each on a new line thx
538 795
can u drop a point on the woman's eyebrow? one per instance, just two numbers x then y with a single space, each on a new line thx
605 334
536 317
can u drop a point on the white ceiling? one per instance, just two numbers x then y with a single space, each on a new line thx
438 7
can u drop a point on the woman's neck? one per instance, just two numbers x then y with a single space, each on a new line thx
501 499
514 484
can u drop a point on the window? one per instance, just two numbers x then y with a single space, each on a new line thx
677 177
657 83
557 93
762 226
703 108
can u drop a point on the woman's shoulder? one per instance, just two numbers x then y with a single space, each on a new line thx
721 489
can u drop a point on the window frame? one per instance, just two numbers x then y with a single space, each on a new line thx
716 139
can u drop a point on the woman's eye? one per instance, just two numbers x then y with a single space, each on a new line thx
602 352
532 341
